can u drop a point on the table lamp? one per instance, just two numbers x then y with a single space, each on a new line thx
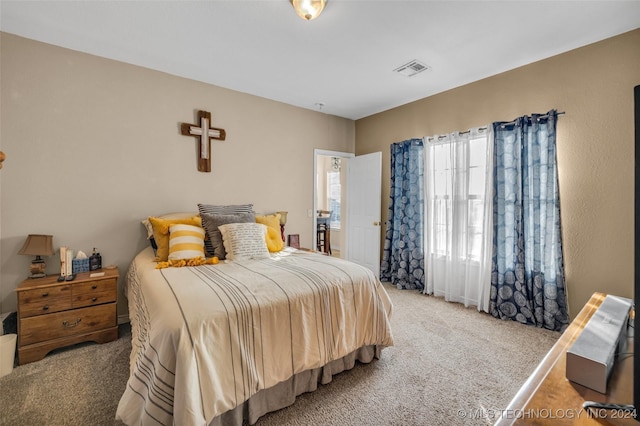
283 222
38 245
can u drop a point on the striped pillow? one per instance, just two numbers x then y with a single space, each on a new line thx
229 209
186 242
161 232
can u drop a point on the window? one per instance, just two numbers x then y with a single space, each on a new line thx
458 219
334 194
456 197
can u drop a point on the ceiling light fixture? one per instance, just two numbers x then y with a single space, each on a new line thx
308 9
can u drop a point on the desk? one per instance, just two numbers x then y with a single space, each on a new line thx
548 397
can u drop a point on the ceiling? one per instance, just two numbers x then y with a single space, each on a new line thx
341 63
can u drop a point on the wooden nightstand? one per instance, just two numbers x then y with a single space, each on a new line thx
54 314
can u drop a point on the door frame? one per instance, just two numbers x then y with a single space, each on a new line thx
316 154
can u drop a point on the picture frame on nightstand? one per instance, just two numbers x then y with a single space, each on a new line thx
294 241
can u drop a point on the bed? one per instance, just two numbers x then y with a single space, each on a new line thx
226 343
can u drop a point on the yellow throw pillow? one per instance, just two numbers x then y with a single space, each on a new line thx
186 242
274 240
274 236
161 233
271 220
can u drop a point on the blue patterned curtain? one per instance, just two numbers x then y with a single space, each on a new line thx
403 255
527 280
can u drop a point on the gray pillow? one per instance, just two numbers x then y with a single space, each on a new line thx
211 222
221 209
229 209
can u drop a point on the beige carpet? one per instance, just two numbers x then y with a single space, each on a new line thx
448 364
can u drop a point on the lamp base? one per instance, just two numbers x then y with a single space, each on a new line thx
37 268
42 275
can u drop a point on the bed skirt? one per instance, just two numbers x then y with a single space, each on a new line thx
284 394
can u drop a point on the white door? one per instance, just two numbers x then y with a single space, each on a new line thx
364 184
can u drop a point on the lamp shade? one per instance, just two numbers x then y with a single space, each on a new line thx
283 217
38 245
308 9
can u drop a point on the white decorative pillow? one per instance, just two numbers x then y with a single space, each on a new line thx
244 240
186 242
211 222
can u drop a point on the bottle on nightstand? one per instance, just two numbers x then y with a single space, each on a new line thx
95 261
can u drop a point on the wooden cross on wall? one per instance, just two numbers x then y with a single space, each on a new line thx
204 133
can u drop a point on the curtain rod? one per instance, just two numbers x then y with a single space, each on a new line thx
482 129
539 117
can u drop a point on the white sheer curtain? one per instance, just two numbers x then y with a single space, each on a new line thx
458 217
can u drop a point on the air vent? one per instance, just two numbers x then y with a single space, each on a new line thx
411 68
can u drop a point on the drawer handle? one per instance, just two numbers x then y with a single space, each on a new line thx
45 294
71 325
45 308
94 299
93 287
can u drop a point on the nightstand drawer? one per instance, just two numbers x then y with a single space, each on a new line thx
94 293
65 324
44 300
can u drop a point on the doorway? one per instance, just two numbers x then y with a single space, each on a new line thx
329 201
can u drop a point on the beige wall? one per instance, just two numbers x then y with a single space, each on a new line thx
93 147
594 86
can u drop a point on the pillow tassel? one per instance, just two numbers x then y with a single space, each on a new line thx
197 261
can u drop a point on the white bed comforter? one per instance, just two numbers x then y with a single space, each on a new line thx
206 338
